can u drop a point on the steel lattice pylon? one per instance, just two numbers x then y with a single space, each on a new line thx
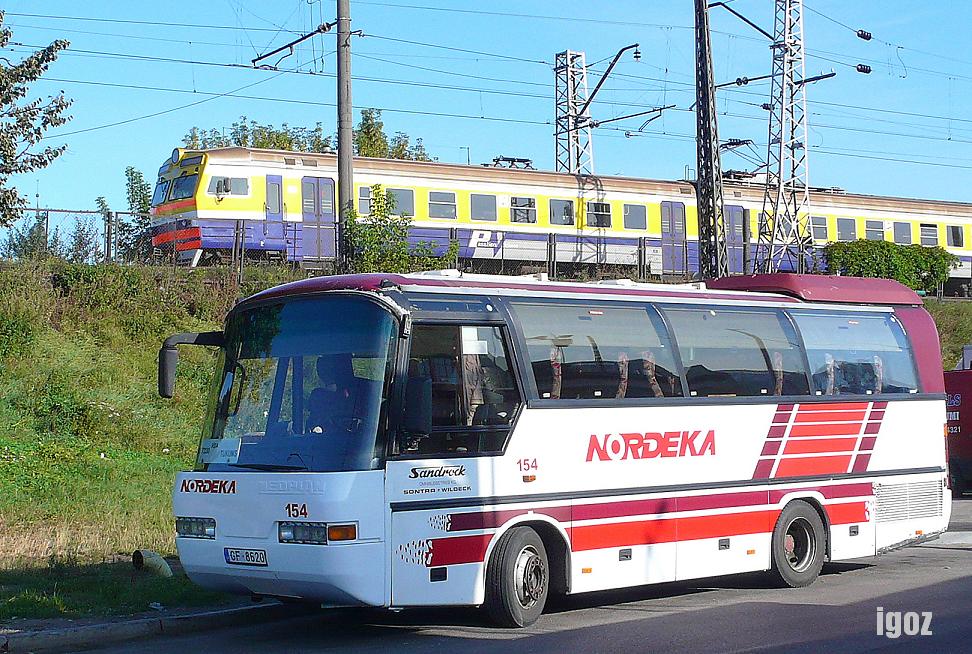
572 131
713 254
784 229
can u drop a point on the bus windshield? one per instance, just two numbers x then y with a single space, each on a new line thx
301 385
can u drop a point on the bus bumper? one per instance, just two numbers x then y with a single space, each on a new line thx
335 575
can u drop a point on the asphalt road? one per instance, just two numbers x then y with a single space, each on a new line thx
838 613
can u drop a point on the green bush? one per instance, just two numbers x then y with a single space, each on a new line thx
916 266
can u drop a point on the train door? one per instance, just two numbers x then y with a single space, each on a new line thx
674 253
274 231
317 213
735 239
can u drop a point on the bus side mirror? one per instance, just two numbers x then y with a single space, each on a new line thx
417 418
168 360
169 356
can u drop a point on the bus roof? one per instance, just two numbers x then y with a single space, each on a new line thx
785 288
823 288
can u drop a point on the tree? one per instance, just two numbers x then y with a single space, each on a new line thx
916 266
379 243
135 236
23 123
251 134
32 241
369 136
84 241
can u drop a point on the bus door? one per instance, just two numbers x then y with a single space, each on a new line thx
317 213
273 225
435 482
673 238
735 219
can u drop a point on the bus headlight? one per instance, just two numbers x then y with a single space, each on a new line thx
196 528
309 533
316 533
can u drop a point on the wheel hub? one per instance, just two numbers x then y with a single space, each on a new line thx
530 577
799 545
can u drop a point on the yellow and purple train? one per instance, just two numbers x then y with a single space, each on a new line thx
282 205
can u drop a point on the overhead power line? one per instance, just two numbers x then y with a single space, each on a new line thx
122 21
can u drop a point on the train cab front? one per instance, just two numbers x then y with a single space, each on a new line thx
175 229
287 495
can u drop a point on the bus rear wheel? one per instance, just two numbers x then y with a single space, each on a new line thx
517 578
799 545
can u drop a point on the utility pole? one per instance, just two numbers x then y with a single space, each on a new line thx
784 229
713 252
574 149
345 127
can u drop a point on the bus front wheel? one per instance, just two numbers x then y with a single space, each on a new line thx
517 578
799 545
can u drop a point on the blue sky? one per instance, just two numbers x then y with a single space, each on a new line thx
921 83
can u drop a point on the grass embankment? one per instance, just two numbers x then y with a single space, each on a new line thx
954 321
88 450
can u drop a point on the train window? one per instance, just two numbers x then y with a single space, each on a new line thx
364 200
229 186
274 198
183 187
902 233
482 207
523 210
874 230
846 229
327 195
161 188
819 226
859 354
929 234
474 396
598 214
442 204
402 201
561 212
738 352
956 238
635 216
308 189
590 352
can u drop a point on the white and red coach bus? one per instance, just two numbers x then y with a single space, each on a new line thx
445 439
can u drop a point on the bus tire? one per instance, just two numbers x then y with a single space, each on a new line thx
517 578
799 545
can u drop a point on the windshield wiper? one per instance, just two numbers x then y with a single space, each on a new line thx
267 466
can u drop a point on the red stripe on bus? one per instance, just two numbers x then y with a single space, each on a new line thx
830 416
829 492
860 464
493 519
668 530
842 514
820 445
827 429
834 406
459 549
815 465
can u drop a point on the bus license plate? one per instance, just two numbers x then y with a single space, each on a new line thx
238 556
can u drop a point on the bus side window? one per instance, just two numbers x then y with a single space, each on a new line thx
581 351
738 352
474 395
856 353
